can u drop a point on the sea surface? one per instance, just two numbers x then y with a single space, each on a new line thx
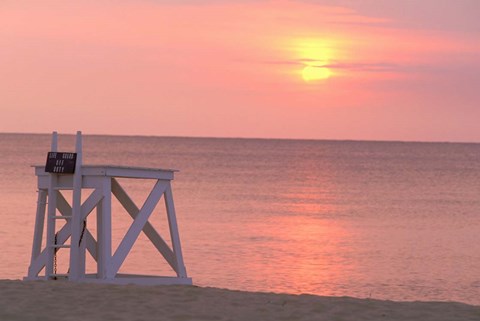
387 220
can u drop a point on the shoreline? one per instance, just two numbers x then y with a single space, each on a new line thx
61 300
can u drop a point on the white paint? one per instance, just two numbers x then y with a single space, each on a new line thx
101 178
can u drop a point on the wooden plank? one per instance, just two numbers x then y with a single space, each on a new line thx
38 233
148 229
91 202
101 170
174 234
136 227
65 182
37 264
87 207
91 244
43 182
77 253
138 173
63 206
54 144
145 280
39 223
52 208
104 230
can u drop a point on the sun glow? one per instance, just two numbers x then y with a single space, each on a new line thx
315 55
311 73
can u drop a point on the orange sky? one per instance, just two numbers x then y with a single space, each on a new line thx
381 70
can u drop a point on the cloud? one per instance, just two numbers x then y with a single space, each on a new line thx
367 67
446 15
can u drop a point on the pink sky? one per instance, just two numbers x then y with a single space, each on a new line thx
397 70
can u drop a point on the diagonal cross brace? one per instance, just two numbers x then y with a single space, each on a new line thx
148 229
137 226
64 233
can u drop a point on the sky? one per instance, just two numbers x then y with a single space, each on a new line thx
362 70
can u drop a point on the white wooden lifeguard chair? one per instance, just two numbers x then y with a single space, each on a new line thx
65 171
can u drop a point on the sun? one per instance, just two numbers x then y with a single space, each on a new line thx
315 55
312 73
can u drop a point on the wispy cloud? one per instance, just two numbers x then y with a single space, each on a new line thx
376 67
370 67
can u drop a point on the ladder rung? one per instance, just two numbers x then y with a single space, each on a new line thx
62 188
61 245
58 217
58 275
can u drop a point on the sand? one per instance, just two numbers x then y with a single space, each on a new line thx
61 300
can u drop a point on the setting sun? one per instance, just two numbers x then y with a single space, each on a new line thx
314 54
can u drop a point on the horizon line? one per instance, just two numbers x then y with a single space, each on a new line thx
255 138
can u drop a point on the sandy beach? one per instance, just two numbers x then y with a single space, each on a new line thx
59 300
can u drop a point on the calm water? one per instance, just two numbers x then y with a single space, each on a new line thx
387 220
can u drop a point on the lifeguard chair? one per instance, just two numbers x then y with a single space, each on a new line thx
65 171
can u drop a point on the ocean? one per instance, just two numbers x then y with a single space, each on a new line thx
386 220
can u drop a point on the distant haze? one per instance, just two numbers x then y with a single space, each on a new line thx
372 69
